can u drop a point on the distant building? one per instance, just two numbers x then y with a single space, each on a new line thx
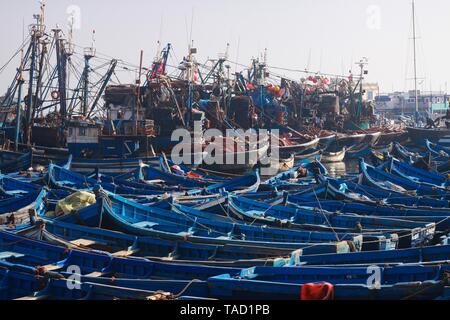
405 103
371 91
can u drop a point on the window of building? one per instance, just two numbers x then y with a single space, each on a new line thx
82 132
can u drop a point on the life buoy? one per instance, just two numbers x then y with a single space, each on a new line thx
55 95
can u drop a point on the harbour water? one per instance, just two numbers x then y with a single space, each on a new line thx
342 169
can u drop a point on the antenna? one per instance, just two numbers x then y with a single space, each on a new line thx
192 26
227 52
415 59
42 15
69 45
90 52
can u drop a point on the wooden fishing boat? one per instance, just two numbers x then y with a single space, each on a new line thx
418 175
381 179
110 166
438 217
364 150
309 155
332 157
97 287
373 138
225 154
349 140
289 146
420 135
122 244
282 163
438 150
34 252
389 275
404 154
228 287
15 162
12 187
131 217
61 178
16 211
389 137
349 190
293 176
401 256
326 138
56 288
274 214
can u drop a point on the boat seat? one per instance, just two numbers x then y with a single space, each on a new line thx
154 181
16 192
95 274
145 225
52 267
7 255
83 242
184 234
223 238
254 213
124 253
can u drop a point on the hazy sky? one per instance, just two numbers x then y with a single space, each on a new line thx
326 35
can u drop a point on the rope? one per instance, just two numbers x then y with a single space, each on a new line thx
187 287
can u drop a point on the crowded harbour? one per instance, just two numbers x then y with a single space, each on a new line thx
215 181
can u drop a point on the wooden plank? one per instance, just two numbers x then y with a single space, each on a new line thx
123 253
95 274
8 254
83 242
51 267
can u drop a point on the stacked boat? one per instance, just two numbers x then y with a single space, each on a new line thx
164 232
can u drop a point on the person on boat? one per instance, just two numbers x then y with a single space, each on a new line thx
177 170
302 172
446 118
430 124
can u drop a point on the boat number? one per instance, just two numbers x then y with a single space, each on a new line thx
374 280
74 280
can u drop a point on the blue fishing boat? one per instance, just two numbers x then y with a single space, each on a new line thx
131 217
16 211
187 179
365 150
276 214
437 150
418 175
439 217
61 178
294 176
15 162
401 256
389 275
349 190
110 166
23 285
362 241
19 285
229 287
122 244
381 179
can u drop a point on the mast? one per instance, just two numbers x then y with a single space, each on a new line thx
415 60
61 66
37 30
138 94
89 53
21 81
